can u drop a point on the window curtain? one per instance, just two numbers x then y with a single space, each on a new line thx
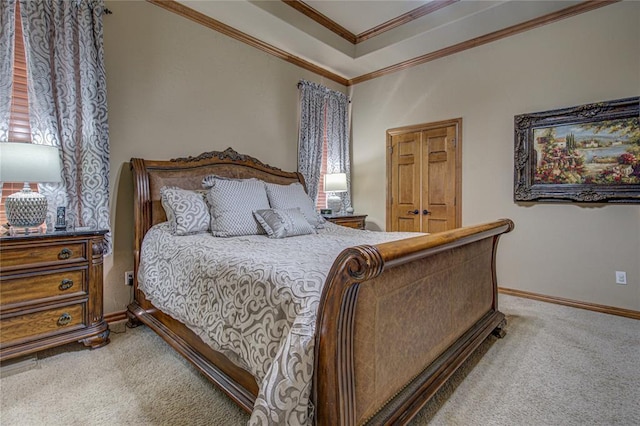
68 103
323 112
7 35
311 134
338 157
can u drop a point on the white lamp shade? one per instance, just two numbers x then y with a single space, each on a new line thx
28 162
335 182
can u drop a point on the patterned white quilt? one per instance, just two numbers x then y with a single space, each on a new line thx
253 298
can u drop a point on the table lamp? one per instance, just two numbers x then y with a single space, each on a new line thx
28 162
334 183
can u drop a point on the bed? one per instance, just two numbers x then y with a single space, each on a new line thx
391 321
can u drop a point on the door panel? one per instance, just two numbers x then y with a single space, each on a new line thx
406 225
438 171
406 183
437 225
405 190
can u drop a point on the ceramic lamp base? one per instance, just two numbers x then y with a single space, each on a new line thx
334 203
26 209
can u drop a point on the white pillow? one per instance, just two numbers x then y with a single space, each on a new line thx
186 210
232 203
283 223
291 197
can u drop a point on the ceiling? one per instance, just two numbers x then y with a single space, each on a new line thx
356 40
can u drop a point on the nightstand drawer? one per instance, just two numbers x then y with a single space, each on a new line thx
19 257
18 328
350 224
35 287
350 221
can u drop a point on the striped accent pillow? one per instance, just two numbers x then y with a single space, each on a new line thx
291 197
283 223
187 212
232 203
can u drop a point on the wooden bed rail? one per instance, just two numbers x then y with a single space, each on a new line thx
403 251
335 392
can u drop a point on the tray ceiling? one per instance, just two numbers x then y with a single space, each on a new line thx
354 40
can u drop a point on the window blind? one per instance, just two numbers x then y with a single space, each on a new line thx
19 127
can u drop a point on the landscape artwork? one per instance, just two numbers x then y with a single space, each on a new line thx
603 152
587 153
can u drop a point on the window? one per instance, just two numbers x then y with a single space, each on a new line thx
19 127
323 129
321 199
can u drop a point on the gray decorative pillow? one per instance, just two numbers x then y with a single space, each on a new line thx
291 197
208 181
283 223
187 212
232 203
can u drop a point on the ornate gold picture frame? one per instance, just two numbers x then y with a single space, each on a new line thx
588 153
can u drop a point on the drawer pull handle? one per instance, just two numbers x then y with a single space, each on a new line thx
65 253
64 319
66 284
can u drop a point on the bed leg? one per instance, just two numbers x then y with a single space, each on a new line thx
500 331
133 320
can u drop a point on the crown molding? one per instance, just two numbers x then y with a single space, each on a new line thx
321 19
227 30
487 38
352 38
404 19
200 18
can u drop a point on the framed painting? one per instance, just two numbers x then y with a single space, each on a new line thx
588 153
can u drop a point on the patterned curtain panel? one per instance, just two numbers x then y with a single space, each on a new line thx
312 102
7 35
68 103
338 157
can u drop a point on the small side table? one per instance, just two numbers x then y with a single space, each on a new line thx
349 220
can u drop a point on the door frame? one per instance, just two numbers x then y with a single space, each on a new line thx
457 122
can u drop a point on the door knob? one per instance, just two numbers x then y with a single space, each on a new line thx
425 212
416 211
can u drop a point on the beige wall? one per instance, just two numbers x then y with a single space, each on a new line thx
176 88
563 250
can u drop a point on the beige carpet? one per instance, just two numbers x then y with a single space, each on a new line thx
556 366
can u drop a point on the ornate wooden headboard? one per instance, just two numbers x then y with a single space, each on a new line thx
151 175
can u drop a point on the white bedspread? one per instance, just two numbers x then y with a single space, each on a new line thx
254 299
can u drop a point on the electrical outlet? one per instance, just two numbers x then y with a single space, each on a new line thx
621 277
128 278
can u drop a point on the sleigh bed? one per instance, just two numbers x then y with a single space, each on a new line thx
393 320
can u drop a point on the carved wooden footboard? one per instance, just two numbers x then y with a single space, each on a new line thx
395 319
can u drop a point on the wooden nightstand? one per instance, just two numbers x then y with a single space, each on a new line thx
349 220
51 291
